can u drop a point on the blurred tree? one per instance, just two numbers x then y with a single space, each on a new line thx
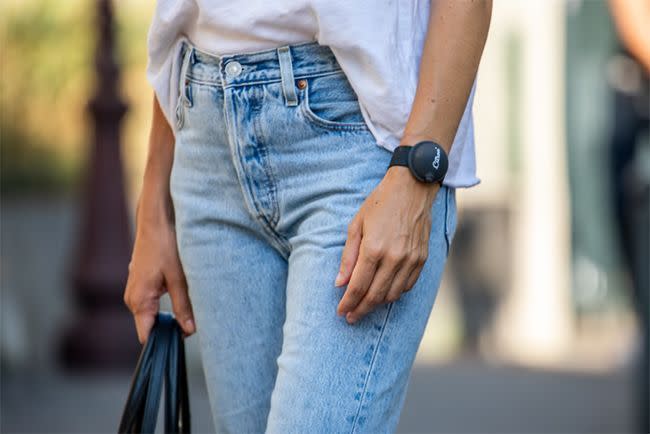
46 75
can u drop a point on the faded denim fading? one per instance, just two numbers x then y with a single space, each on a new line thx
272 161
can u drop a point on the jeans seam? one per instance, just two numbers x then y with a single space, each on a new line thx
314 119
372 365
266 224
268 171
219 84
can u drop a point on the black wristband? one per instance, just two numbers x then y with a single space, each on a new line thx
426 160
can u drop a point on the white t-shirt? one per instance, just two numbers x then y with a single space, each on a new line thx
377 43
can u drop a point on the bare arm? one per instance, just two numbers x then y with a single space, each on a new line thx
155 267
379 265
154 203
450 58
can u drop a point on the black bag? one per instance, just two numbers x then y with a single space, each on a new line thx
161 359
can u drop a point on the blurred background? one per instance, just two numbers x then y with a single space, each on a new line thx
541 322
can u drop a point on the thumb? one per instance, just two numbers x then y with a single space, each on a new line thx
350 252
181 305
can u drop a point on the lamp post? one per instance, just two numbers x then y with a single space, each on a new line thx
102 335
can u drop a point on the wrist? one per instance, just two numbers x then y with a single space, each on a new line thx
154 209
403 176
425 160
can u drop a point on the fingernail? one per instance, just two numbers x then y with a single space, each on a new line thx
339 278
189 326
351 319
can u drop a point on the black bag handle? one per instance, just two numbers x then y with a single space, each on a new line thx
162 360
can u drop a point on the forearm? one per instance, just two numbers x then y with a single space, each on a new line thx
632 20
154 203
378 265
451 54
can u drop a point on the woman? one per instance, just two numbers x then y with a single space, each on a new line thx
273 212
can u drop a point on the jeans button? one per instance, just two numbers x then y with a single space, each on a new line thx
233 68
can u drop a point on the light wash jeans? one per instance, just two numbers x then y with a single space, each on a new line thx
267 174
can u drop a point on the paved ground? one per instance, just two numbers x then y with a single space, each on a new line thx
463 397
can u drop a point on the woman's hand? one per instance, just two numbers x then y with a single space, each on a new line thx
155 268
387 243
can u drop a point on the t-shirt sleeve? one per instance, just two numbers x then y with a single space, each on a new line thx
164 41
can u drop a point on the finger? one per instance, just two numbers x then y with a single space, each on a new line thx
144 321
144 307
181 305
360 280
350 252
398 285
421 261
413 278
142 299
376 295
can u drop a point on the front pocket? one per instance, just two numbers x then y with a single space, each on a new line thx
329 101
183 103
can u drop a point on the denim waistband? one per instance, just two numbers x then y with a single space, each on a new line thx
302 59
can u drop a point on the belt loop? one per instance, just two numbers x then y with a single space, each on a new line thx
286 72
